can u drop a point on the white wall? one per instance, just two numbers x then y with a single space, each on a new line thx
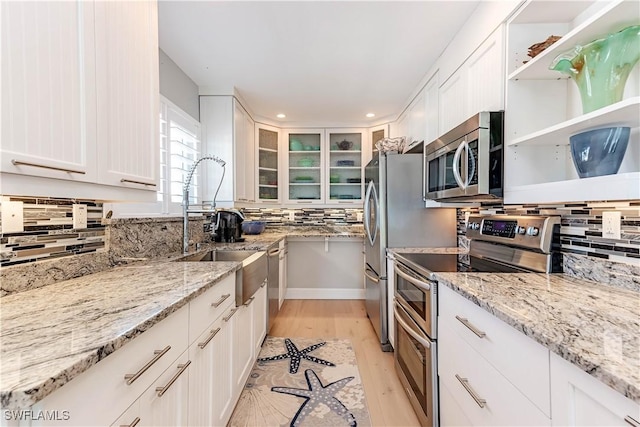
178 87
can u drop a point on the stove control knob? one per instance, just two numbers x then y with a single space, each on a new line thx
520 229
533 231
475 226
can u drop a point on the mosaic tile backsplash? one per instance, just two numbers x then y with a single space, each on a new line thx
305 216
48 231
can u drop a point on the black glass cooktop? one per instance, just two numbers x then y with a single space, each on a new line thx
429 263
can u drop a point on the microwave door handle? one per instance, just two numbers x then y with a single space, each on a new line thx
457 157
472 161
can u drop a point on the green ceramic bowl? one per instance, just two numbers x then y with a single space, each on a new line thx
305 163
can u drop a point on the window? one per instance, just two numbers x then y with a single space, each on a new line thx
179 149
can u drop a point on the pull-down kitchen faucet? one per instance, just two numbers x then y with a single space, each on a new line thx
185 199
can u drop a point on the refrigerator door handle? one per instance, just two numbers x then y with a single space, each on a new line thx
374 279
371 191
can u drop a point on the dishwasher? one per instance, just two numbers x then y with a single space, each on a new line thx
273 284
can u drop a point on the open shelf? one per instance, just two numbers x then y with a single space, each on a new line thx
622 186
623 113
345 151
268 169
269 150
268 186
356 184
346 167
304 183
611 18
303 167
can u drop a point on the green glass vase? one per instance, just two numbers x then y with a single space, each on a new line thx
601 68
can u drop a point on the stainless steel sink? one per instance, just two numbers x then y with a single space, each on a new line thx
221 255
248 279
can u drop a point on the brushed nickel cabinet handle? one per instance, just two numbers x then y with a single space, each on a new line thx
465 383
131 181
204 343
631 421
249 301
263 284
273 252
220 301
163 390
134 423
158 354
230 315
472 328
36 165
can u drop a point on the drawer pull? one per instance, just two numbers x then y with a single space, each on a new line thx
158 354
204 343
263 284
465 383
134 423
472 328
132 181
230 315
162 390
249 301
220 301
54 168
631 421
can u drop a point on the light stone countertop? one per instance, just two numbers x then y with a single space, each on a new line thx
453 250
40 347
596 327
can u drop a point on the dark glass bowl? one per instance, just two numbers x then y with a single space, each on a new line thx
599 152
253 227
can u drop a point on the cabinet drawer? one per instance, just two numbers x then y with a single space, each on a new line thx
100 394
524 362
464 373
209 306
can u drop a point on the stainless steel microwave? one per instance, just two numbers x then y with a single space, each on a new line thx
466 163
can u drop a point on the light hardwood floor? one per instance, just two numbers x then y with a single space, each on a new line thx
387 401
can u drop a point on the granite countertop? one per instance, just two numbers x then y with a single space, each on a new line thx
45 341
453 250
596 327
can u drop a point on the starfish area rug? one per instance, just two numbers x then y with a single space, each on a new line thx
303 382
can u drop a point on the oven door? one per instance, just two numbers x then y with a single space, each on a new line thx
417 295
415 361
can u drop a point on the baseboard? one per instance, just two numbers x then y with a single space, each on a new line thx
324 293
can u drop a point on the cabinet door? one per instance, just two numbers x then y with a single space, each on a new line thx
210 388
165 403
486 75
282 273
242 359
453 107
375 134
244 154
268 160
48 89
127 93
344 166
431 109
305 170
578 399
259 308
130 417
417 119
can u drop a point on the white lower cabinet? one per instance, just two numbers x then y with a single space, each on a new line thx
282 285
166 402
210 387
259 308
578 399
242 346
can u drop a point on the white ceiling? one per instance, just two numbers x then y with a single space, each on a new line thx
320 62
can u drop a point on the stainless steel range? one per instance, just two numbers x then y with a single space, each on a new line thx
499 243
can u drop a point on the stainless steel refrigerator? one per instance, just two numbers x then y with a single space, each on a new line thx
395 217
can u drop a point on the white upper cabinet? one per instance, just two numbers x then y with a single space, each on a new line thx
544 107
244 154
305 166
345 166
268 162
431 100
48 90
478 85
80 99
127 93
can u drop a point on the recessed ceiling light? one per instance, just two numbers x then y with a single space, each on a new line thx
281 116
370 115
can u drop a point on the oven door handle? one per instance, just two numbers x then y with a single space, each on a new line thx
408 329
418 283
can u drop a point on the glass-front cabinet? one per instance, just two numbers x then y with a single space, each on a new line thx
306 172
268 170
344 163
